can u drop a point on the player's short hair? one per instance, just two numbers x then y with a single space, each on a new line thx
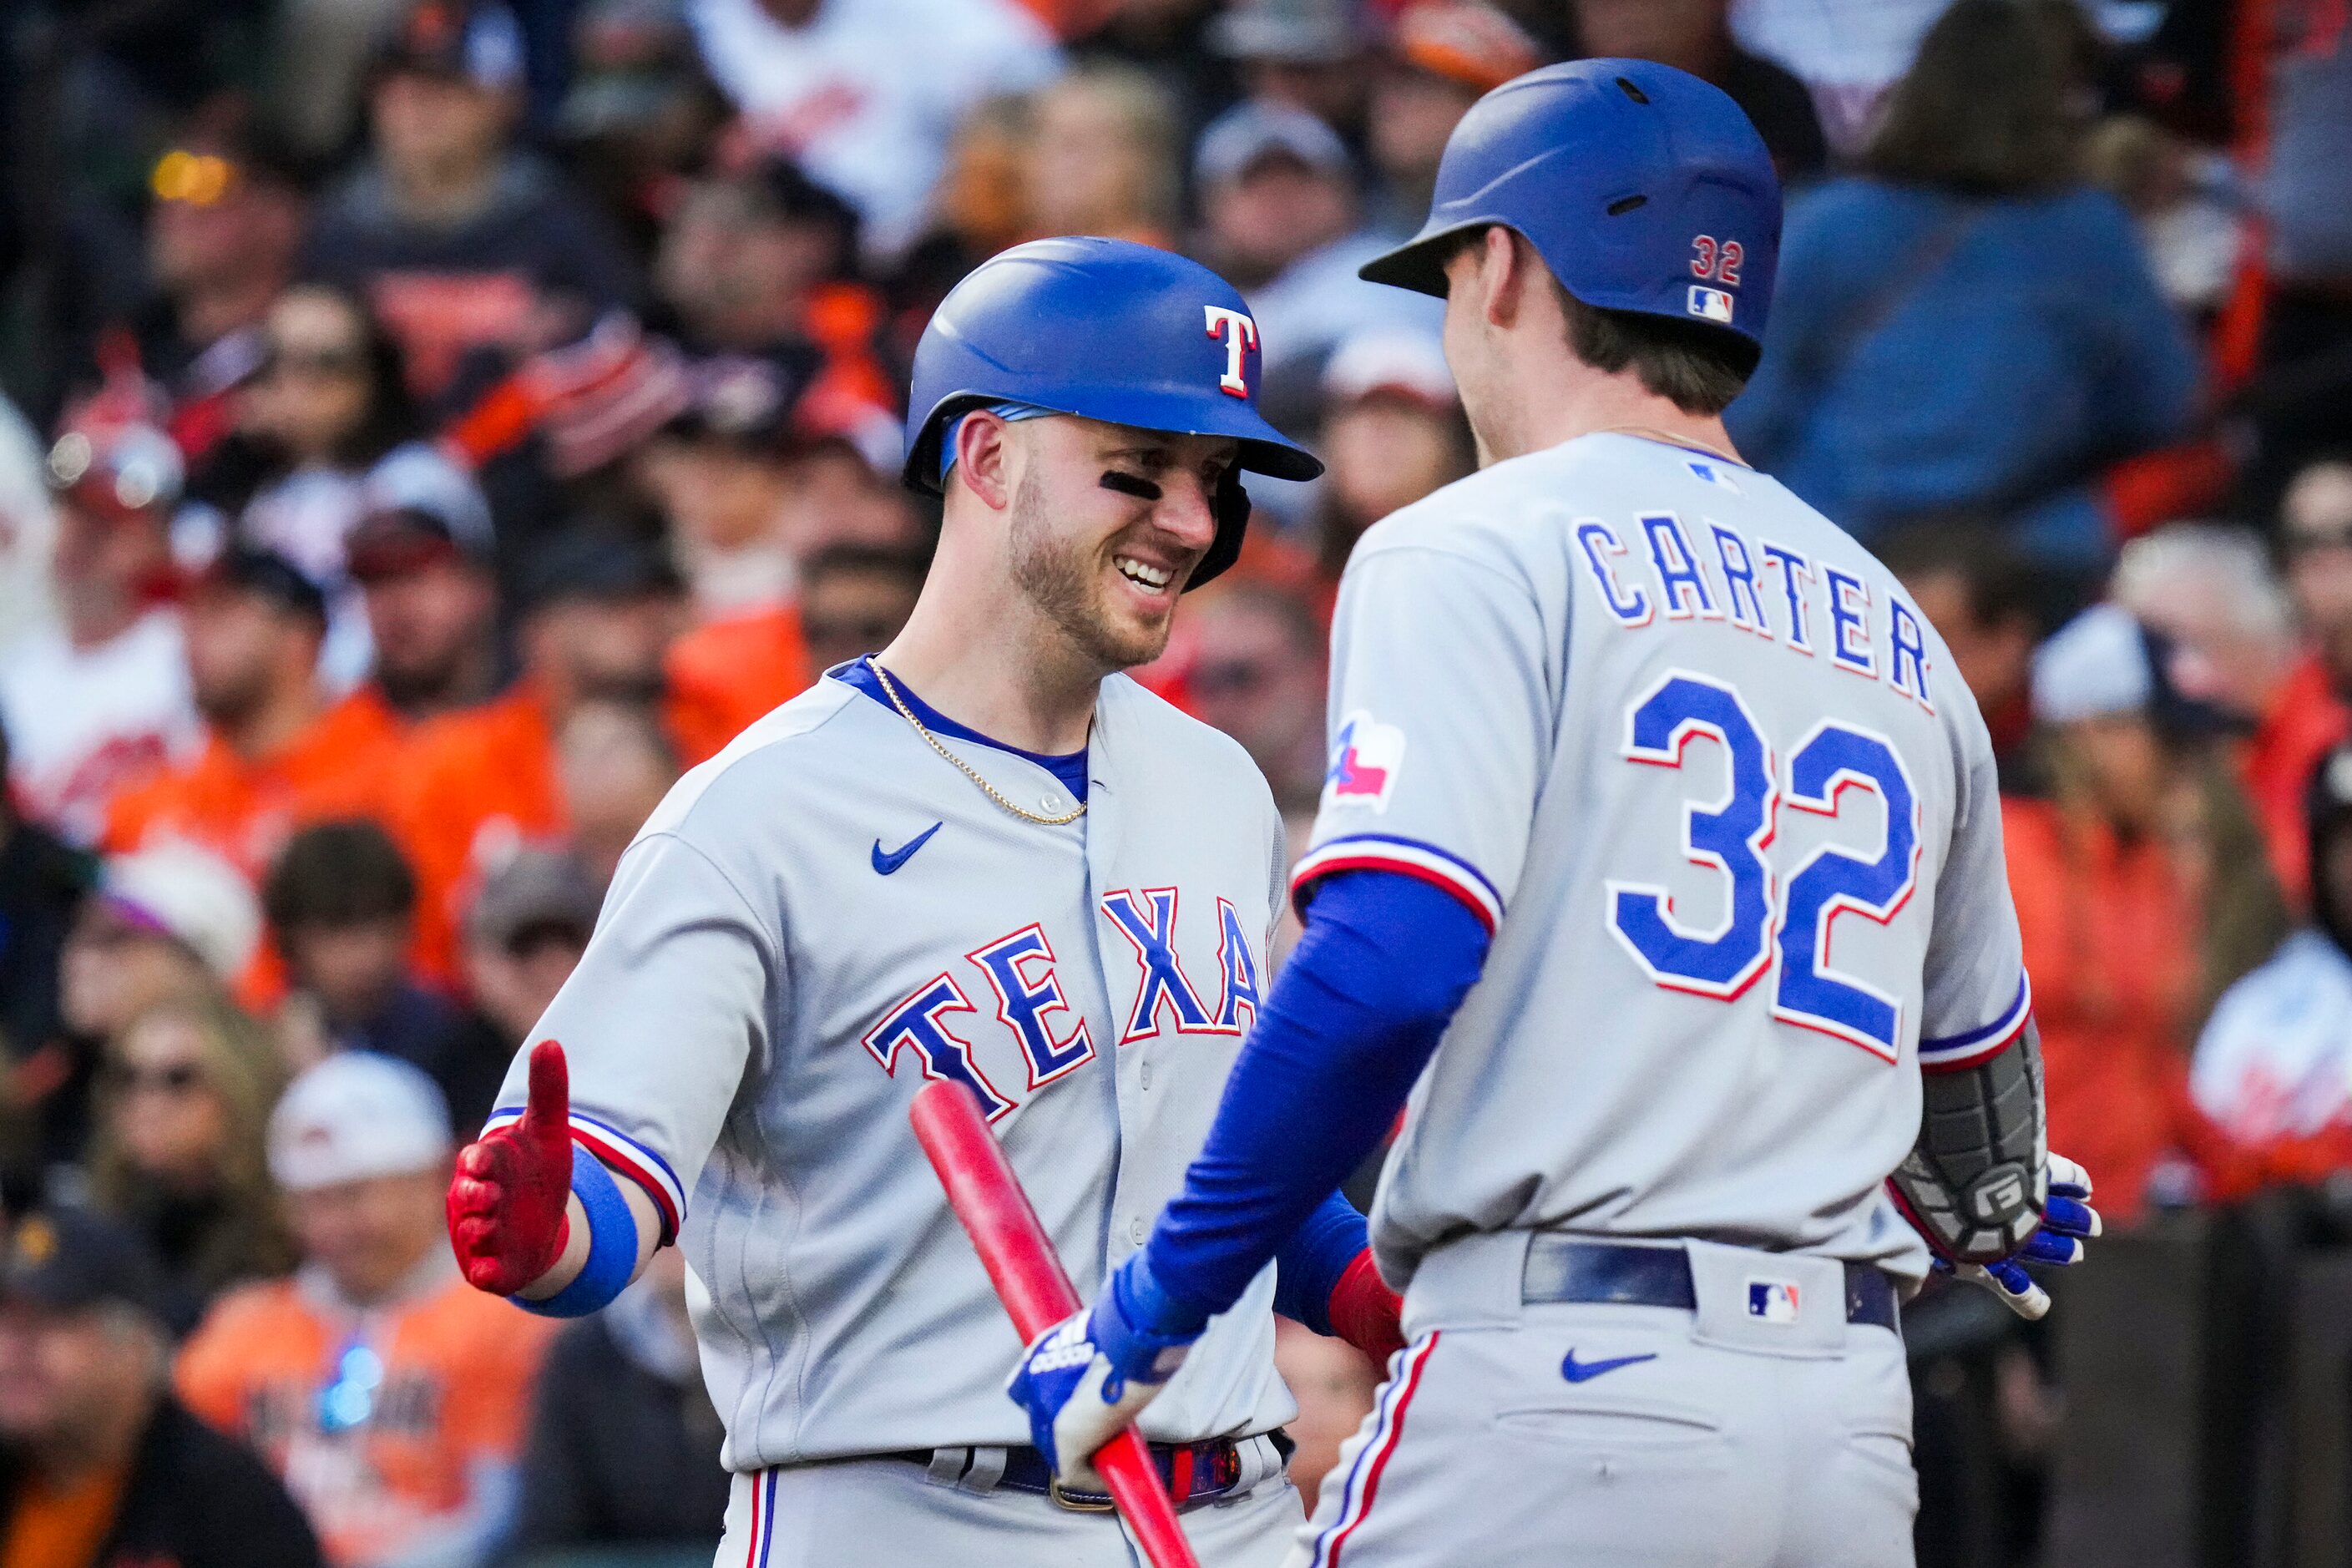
337 875
1696 367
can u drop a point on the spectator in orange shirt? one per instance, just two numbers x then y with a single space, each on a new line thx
2118 901
390 1397
725 675
280 752
426 576
722 474
613 763
856 598
2315 529
2212 589
600 613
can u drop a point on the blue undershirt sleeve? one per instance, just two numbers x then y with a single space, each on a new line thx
1385 959
1313 1258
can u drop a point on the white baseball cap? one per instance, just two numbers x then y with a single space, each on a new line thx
354 1116
187 893
1397 361
2093 666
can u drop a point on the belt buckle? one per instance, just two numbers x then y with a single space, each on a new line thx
1078 1502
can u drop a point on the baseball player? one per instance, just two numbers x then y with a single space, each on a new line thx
982 856
1659 862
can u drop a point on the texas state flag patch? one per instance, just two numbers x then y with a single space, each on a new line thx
1364 761
1772 1300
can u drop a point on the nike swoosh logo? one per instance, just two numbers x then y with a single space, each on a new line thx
889 860
1576 1371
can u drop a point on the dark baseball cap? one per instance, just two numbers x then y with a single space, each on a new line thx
70 1258
480 44
747 400
536 892
598 562
248 569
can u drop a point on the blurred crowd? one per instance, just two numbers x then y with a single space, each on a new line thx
429 428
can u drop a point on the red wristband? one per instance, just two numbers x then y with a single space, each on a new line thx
1365 1312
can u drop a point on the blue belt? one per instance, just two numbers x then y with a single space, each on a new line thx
1571 1269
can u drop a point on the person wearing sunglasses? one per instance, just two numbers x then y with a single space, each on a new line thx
183 1096
333 436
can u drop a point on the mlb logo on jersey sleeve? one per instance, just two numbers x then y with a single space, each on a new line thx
1772 1300
1364 762
1710 304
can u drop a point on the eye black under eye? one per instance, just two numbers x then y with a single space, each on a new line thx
1130 484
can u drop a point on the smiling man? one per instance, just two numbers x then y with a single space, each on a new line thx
982 855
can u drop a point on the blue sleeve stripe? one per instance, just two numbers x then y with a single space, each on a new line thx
1374 851
612 1244
1976 1044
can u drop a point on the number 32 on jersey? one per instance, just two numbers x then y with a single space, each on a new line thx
1767 928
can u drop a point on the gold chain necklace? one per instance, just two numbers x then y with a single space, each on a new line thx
1653 433
890 691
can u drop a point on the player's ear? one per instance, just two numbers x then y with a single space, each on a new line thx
984 458
1503 272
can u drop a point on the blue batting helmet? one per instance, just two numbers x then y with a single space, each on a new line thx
1103 329
1640 186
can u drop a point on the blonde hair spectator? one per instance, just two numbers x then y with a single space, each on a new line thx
1103 157
178 1152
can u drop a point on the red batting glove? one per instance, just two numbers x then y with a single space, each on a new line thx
1365 1312
507 1219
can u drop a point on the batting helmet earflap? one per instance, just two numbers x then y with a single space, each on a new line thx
1108 330
1641 187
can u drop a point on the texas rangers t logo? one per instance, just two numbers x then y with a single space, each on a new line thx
1239 336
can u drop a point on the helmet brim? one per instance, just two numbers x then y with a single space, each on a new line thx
1263 449
1418 264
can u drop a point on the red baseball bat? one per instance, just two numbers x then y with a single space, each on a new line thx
1020 1263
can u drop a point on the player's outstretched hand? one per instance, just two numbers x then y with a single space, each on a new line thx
507 1220
1083 1380
2067 1221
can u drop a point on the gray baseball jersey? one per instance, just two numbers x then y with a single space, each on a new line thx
1701 766
826 914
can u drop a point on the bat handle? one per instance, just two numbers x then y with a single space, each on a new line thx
1019 1256
1134 1480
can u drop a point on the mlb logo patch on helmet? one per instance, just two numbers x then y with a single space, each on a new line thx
1710 304
1772 1300
1364 763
